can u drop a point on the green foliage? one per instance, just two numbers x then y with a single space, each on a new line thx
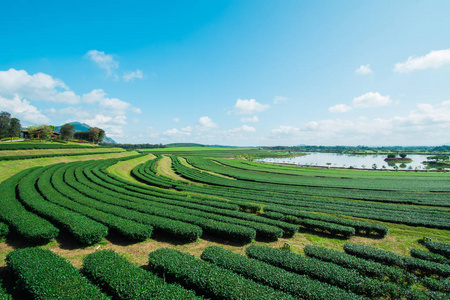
5 118
32 156
28 225
298 285
391 155
363 266
439 248
430 256
402 155
327 272
45 275
412 264
120 278
35 146
208 279
4 230
67 131
4 295
83 229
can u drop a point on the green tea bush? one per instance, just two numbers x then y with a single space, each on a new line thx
45 275
208 279
426 255
298 285
122 279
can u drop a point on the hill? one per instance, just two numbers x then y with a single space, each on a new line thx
85 127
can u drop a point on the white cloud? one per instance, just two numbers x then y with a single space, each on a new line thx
176 120
23 110
339 108
103 61
205 123
432 60
364 70
244 128
39 86
284 130
371 100
253 119
176 133
279 99
247 107
131 75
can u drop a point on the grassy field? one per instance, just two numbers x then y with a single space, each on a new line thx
400 239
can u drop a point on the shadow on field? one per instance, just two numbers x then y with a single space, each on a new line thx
322 234
8 283
67 242
117 239
160 237
18 242
215 239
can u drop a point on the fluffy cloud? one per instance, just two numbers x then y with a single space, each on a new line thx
23 110
279 99
364 70
429 123
253 119
205 123
371 100
131 75
103 61
39 86
176 133
248 107
339 108
432 60
244 128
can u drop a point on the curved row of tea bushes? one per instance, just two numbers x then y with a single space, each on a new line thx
332 228
363 266
439 248
83 229
270 194
298 285
427 255
122 279
208 279
330 273
28 225
45 275
180 230
359 226
55 192
32 156
411 264
225 230
261 225
440 285
226 227
4 230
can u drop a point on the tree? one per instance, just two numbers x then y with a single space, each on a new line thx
5 118
101 135
402 155
43 132
14 128
93 134
391 155
67 131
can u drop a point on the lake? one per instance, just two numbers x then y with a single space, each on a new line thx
347 160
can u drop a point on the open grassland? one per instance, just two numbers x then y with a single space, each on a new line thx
191 199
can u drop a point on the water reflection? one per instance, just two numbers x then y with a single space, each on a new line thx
371 161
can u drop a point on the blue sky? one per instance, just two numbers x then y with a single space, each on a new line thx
232 72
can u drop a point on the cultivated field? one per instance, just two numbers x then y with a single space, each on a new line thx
181 223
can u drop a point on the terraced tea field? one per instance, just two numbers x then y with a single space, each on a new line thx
199 223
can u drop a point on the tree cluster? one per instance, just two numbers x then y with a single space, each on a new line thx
94 134
9 127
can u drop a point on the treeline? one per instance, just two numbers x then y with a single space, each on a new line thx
133 146
361 149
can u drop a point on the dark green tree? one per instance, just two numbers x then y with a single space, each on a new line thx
391 155
101 135
94 134
402 155
67 131
5 118
14 128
